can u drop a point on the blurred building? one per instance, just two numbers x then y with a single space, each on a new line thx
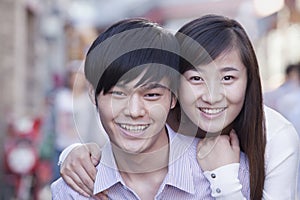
277 47
273 25
19 73
24 64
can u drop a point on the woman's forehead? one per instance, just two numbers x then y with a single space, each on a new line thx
227 61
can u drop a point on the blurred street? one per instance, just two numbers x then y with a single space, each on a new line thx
44 41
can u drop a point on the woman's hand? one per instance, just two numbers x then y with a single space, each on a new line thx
78 169
215 152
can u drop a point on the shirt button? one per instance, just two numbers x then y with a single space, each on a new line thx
218 190
213 175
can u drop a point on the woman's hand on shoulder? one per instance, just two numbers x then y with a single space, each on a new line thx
215 152
78 169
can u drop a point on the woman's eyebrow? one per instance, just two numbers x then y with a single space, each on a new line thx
224 69
227 69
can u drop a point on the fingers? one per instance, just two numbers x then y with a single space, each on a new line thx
215 152
94 158
78 170
234 140
88 174
95 153
76 176
85 179
101 196
81 188
82 158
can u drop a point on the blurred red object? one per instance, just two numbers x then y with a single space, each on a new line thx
21 157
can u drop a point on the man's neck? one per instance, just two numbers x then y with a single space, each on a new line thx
151 159
145 185
136 163
145 173
141 170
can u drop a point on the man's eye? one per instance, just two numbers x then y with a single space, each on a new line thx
196 79
152 96
117 93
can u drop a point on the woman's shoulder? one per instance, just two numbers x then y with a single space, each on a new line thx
273 116
275 122
279 128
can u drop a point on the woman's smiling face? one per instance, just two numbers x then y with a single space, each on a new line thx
212 95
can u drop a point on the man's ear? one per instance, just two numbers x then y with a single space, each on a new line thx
91 93
173 101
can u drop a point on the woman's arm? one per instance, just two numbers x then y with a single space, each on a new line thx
219 158
282 162
78 166
224 182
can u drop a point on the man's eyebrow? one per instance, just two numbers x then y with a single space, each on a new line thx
149 86
121 85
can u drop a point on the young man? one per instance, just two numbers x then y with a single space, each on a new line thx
132 69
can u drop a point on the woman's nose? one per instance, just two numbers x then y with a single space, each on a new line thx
213 93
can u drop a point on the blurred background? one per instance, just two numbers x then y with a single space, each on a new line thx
42 41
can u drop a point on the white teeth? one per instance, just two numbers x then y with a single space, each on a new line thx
212 110
134 128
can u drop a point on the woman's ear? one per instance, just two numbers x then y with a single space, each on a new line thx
91 93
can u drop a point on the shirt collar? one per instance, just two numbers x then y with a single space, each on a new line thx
179 170
107 171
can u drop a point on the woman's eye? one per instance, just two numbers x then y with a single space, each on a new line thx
228 78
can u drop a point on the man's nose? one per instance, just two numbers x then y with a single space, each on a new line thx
136 106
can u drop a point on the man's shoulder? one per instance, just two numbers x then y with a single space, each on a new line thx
61 190
183 148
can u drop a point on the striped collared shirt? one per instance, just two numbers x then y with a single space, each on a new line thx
184 179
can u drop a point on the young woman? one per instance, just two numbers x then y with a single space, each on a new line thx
220 91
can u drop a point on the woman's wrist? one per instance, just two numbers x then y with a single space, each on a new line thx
65 153
224 180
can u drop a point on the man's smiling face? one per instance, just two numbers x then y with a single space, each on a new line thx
134 116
